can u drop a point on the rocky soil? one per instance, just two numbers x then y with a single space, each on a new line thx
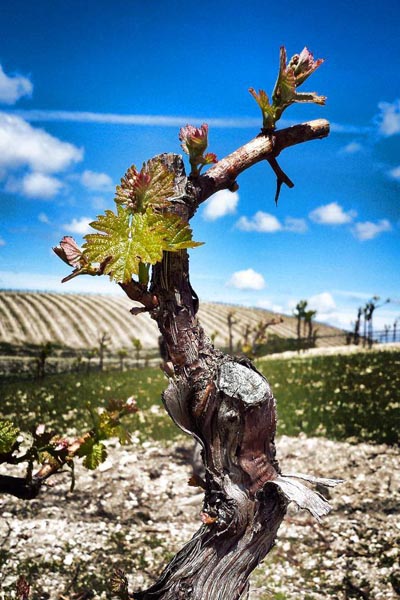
137 510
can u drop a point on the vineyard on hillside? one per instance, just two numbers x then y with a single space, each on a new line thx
76 321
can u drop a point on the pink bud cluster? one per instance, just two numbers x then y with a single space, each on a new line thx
194 141
303 65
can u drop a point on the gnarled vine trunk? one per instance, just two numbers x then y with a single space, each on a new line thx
224 403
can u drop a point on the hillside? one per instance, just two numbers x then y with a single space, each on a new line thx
77 320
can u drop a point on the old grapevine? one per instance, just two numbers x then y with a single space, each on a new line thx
221 401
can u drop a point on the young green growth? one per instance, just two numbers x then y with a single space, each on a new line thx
134 237
8 437
291 76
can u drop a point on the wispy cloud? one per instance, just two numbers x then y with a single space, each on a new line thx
247 280
2 242
141 120
220 204
295 225
389 118
100 203
395 173
96 181
369 230
352 295
348 129
43 218
352 148
169 120
13 87
332 214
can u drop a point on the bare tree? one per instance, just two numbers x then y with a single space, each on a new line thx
231 322
122 353
395 323
299 313
90 354
369 310
308 321
260 333
138 346
357 325
103 340
44 353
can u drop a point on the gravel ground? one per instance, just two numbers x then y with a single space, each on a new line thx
137 510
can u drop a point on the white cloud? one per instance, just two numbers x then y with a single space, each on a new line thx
352 148
2 242
369 230
247 280
295 225
395 173
220 204
96 181
269 305
80 226
389 118
22 145
332 214
261 221
322 303
13 87
38 185
43 218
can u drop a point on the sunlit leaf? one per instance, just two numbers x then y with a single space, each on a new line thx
8 436
128 240
93 453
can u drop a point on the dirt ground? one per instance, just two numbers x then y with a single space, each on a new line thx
137 510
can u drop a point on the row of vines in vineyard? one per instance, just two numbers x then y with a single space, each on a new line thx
75 321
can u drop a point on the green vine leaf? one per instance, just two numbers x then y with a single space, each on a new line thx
267 109
93 453
128 240
176 235
152 185
8 436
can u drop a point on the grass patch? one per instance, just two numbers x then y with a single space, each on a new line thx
339 396
63 401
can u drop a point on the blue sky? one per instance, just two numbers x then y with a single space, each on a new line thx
88 88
